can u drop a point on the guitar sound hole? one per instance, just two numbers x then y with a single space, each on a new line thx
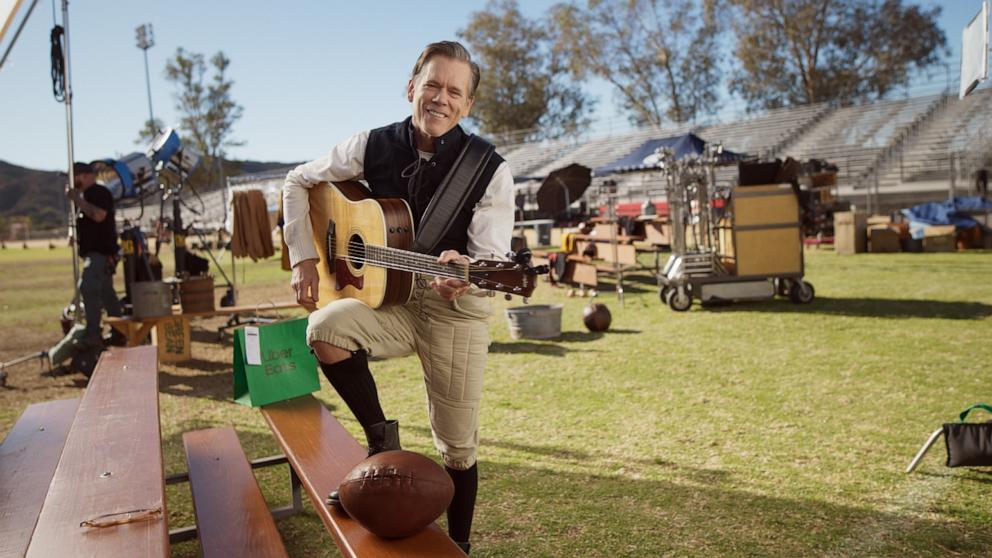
356 251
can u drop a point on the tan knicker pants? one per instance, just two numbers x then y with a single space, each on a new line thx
450 337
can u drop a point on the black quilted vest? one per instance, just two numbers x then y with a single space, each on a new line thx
391 171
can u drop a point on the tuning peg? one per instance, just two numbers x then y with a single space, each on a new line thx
522 257
508 297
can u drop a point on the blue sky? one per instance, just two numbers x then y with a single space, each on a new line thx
308 74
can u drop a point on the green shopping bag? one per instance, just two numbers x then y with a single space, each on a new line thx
273 363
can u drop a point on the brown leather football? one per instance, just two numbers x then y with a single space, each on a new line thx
597 317
395 494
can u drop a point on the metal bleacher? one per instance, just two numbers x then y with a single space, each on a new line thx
942 153
918 145
854 138
206 211
765 134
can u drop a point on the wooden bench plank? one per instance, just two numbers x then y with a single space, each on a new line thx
28 457
220 311
232 517
111 468
322 452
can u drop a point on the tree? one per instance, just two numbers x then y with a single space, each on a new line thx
526 82
795 52
148 132
660 55
208 111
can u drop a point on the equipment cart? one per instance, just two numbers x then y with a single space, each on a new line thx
753 252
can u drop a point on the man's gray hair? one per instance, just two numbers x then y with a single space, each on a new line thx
453 50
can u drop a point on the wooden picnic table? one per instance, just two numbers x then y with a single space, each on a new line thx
171 334
107 495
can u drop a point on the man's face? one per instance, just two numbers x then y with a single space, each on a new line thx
440 98
84 180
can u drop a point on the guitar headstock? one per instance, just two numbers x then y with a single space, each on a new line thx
512 277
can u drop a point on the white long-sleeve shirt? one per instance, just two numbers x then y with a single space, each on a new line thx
488 233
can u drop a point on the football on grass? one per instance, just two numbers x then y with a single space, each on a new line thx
395 494
597 317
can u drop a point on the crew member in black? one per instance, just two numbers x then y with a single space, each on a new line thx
97 241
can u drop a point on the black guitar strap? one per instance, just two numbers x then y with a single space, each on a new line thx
452 193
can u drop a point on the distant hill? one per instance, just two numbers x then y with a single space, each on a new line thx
38 194
33 193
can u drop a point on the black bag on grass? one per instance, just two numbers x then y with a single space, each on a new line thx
969 444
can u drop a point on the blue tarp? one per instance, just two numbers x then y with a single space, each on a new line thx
951 212
644 157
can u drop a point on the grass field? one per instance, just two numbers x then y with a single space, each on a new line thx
759 429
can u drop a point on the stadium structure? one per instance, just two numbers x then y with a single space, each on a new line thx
890 154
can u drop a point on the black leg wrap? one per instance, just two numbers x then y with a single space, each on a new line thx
462 507
354 383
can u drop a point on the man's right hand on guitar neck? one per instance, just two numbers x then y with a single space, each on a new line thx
305 283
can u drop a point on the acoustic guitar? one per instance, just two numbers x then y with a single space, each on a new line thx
364 249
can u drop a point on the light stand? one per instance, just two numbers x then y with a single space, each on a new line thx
145 36
67 75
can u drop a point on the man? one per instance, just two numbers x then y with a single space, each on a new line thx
96 238
445 323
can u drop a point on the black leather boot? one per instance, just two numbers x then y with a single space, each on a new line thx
382 436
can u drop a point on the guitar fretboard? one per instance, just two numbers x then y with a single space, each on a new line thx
403 260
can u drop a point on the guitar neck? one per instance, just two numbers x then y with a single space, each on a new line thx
403 260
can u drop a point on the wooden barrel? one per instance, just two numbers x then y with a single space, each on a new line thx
196 294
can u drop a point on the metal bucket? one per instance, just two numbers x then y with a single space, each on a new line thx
539 321
197 294
150 299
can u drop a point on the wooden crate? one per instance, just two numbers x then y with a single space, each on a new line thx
882 239
772 204
626 253
658 233
578 273
850 233
766 235
768 251
172 337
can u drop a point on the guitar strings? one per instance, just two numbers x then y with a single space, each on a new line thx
405 262
458 271
401 260
402 257
401 267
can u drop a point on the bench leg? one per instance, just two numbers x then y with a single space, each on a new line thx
297 505
182 534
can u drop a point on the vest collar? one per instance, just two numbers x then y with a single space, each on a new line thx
450 140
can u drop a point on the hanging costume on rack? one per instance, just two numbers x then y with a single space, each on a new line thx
252 234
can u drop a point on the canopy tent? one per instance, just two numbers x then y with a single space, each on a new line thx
645 157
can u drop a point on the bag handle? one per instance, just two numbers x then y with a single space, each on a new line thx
985 406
